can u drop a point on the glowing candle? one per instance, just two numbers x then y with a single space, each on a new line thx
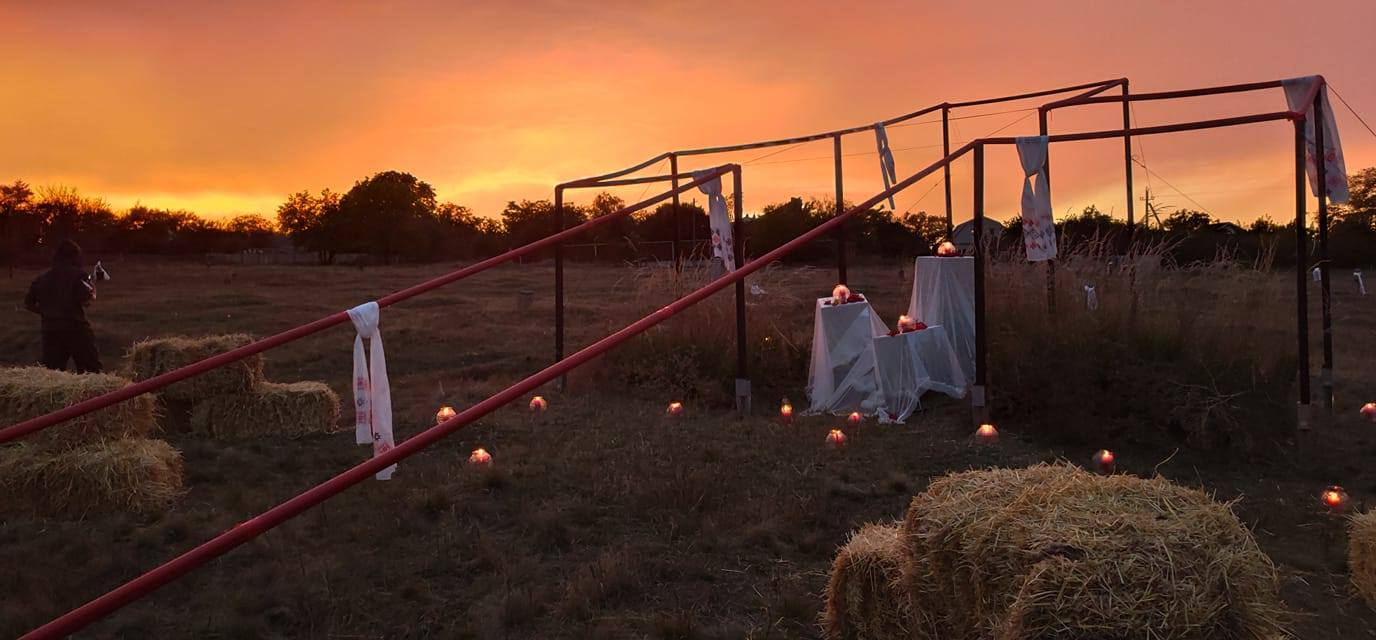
836 439
986 434
786 412
1334 498
675 409
904 323
480 457
946 249
839 294
446 412
853 419
1369 411
1104 462
538 404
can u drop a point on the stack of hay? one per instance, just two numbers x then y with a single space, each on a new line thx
233 401
100 462
1361 555
1056 552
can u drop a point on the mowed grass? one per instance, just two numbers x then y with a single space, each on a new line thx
600 518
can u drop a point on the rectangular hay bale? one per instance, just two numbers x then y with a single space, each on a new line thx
865 597
135 475
1361 555
273 409
1054 551
157 356
29 392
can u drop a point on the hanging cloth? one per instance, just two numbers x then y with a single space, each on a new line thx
372 393
723 241
1038 229
1335 169
1091 298
886 167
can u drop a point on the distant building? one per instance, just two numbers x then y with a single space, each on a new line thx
1226 228
964 233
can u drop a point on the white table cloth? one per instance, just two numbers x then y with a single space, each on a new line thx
841 378
911 364
944 294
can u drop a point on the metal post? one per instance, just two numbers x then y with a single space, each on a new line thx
738 248
1325 303
1127 158
673 247
1050 263
946 170
977 392
559 284
1301 297
840 208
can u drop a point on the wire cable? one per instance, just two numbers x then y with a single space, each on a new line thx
1349 108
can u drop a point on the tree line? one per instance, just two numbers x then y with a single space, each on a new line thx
394 216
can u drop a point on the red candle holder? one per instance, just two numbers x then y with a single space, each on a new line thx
1335 498
836 439
1368 411
480 458
675 410
446 412
1105 462
986 434
854 419
538 404
786 412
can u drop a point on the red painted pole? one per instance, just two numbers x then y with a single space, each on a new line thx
102 606
157 382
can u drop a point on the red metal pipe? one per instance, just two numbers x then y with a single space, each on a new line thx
1165 128
157 382
1082 96
1183 93
146 583
1034 94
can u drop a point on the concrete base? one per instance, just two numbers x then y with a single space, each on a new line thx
1326 389
1304 415
743 396
977 396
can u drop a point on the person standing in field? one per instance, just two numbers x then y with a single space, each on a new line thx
60 295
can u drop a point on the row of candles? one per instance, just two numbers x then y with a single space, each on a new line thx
1104 462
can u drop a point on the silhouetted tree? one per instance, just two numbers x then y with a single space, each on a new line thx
382 213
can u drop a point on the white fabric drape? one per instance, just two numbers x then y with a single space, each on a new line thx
1361 284
1091 298
842 377
944 294
1335 169
723 240
911 364
1038 229
372 393
886 166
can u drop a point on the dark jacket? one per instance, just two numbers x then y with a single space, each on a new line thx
60 294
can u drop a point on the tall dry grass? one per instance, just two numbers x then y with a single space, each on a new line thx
1202 352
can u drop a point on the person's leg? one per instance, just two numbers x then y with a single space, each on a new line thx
83 348
55 349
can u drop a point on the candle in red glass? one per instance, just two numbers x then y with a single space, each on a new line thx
853 419
1335 498
1104 462
786 412
538 404
836 439
446 412
675 409
480 457
986 434
1369 411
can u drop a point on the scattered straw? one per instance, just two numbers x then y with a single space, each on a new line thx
134 475
1361 555
158 356
28 392
1057 552
866 599
296 409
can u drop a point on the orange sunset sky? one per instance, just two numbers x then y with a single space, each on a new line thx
225 108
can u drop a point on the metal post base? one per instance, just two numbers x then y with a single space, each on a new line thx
977 396
743 396
1304 415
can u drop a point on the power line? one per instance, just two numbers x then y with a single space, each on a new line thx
1349 108
978 115
1173 187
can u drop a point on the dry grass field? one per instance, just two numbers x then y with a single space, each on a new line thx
600 519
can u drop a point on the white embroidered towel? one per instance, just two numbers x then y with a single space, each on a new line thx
372 393
723 242
1038 229
886 166
1335 169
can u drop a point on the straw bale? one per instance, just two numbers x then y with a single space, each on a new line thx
136 475
865 598
273 409
29 392
1361 555
1053 551
154 357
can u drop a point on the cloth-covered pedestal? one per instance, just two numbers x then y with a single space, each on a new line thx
944 294
841 378
911 364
